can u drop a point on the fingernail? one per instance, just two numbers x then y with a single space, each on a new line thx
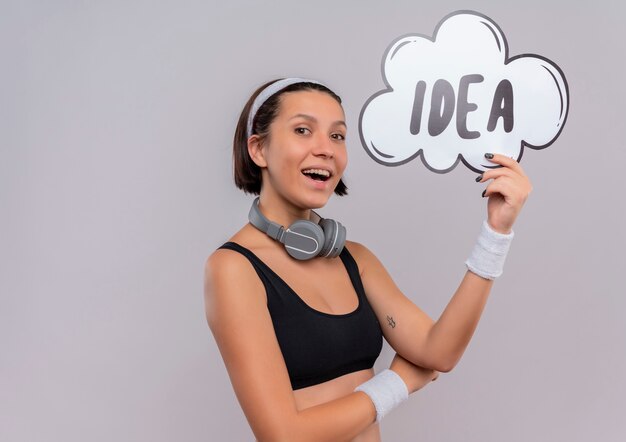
489 156
484 191
478 178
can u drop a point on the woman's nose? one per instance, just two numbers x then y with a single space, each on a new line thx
323 147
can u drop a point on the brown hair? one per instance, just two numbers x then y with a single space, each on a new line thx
247 173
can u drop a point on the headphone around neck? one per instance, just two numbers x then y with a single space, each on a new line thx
303 239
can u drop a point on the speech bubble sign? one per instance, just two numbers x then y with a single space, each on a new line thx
457 95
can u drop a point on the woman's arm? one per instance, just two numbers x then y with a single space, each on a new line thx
450 335
439 345
237 315
408 330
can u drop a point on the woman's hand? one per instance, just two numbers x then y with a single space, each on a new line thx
507 192
413 376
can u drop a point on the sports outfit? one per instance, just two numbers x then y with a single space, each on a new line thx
318 346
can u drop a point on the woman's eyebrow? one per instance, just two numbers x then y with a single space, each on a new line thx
314 120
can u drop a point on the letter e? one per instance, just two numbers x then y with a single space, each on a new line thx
463 107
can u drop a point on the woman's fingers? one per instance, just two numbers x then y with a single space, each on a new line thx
503 185
511 176
505 161
496 173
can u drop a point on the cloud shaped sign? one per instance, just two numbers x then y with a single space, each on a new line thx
457 95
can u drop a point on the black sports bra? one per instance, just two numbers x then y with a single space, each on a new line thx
318 346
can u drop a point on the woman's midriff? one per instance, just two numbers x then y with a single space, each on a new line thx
334 389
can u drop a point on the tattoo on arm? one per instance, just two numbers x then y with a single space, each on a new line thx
391 322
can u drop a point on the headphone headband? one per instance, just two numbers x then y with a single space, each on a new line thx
258 220
304 239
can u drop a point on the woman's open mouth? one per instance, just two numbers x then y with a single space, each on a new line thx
317 174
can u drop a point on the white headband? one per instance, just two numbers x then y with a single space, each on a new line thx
271 90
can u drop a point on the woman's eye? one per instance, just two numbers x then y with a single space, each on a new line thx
339 137
302 130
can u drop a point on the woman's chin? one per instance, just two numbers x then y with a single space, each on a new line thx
315 200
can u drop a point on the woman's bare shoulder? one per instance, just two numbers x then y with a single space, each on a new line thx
355 247
225 262
229 272
227 259
361 254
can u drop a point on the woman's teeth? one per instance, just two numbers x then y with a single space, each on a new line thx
319 174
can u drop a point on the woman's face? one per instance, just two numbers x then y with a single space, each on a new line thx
305 152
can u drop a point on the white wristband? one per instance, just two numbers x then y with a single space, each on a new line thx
489 252
387 390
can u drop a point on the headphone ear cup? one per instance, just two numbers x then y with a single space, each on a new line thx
335 238
304 240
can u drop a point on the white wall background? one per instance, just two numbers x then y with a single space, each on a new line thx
116 120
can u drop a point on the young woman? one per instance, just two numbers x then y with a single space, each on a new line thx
299 330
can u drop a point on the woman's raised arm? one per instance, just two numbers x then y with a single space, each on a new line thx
440 344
